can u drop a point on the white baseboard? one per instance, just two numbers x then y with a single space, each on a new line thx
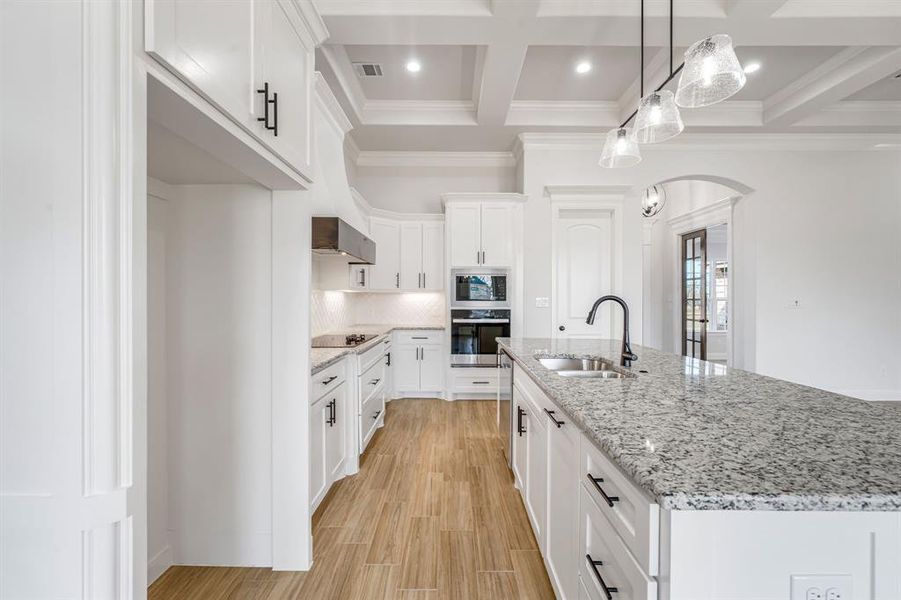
158 564
875 395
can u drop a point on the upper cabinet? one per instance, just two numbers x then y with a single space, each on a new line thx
385 273
481 229
253 60
409 255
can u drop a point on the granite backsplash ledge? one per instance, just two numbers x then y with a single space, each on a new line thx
699 435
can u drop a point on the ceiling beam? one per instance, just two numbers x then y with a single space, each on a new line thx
342 70
753 8
500 74
848 72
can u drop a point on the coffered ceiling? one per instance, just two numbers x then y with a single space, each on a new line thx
490 69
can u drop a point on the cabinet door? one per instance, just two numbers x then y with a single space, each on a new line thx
287 66
318 426
431 368
433 256
562 534
209 43
335 432
536 487
385 271
411 256
497 235
358 277
520 440
405 363
463 228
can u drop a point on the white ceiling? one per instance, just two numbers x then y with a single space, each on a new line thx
494 68
446 72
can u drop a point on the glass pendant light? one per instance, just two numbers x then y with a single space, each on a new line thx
711 74
658 118
620 149
653 200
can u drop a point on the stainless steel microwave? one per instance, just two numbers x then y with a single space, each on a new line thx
485 288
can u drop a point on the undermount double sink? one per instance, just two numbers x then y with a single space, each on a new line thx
594 368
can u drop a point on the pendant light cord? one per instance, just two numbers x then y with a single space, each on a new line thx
672 73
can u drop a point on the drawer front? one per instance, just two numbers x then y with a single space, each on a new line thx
371 416
374 354
606 561
634 516
475 380
326 380
418 338
372 380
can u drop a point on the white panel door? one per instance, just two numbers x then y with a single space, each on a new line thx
583 265
431 368
334 434
497 234
405 362
410 256
464 226
209 43
288 69
562 534
385 272
433 256
319 424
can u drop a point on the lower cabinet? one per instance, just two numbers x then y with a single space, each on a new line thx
561 548
419 360
327 442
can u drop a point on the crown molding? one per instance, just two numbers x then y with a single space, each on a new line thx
342 69
419 112
720 141
360 201
329 104
312 20
353 151
567 192
482 197
560 113
368 158
396 8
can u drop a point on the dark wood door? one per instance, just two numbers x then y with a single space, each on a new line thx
694 294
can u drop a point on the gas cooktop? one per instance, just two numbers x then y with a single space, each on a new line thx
342 341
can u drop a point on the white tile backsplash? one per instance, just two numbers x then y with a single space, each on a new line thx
338 311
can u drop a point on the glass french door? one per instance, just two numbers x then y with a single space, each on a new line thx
694 294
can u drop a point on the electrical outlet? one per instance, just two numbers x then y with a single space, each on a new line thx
820 587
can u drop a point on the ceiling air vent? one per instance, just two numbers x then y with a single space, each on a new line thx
368 69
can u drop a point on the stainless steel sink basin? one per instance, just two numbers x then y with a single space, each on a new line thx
582 367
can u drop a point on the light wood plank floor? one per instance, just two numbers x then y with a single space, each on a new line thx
432 514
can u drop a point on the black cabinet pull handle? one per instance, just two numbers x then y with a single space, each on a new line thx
376 415
519 414
388 356
594 564
330 379
265 118
363 277
397 280
423 280
275 113
332 413
374 382
419 337
597 481
481 382
550 413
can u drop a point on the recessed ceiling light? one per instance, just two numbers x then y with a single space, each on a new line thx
583 67
413 66
752 67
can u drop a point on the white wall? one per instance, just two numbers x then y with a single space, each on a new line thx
821 227
419 189
218 367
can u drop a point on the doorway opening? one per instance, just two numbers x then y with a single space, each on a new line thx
705 293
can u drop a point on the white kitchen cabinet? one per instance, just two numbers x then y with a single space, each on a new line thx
285 57
520 440
228 51
561 536
465 234
433 255
385 273
328 430
422 255
320 415
419 360
536 475
497 234
482 233
335 435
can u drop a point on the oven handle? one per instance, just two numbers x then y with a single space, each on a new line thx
480 320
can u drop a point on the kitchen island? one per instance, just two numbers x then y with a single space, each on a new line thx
719 483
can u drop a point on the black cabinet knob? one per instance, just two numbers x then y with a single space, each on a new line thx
562 328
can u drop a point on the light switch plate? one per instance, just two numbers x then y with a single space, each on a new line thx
821 587
542 302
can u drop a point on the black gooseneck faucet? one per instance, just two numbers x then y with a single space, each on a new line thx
627 355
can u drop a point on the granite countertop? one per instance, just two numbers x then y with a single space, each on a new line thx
320 358
701 436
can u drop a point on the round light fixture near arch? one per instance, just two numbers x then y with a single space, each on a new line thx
652 200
